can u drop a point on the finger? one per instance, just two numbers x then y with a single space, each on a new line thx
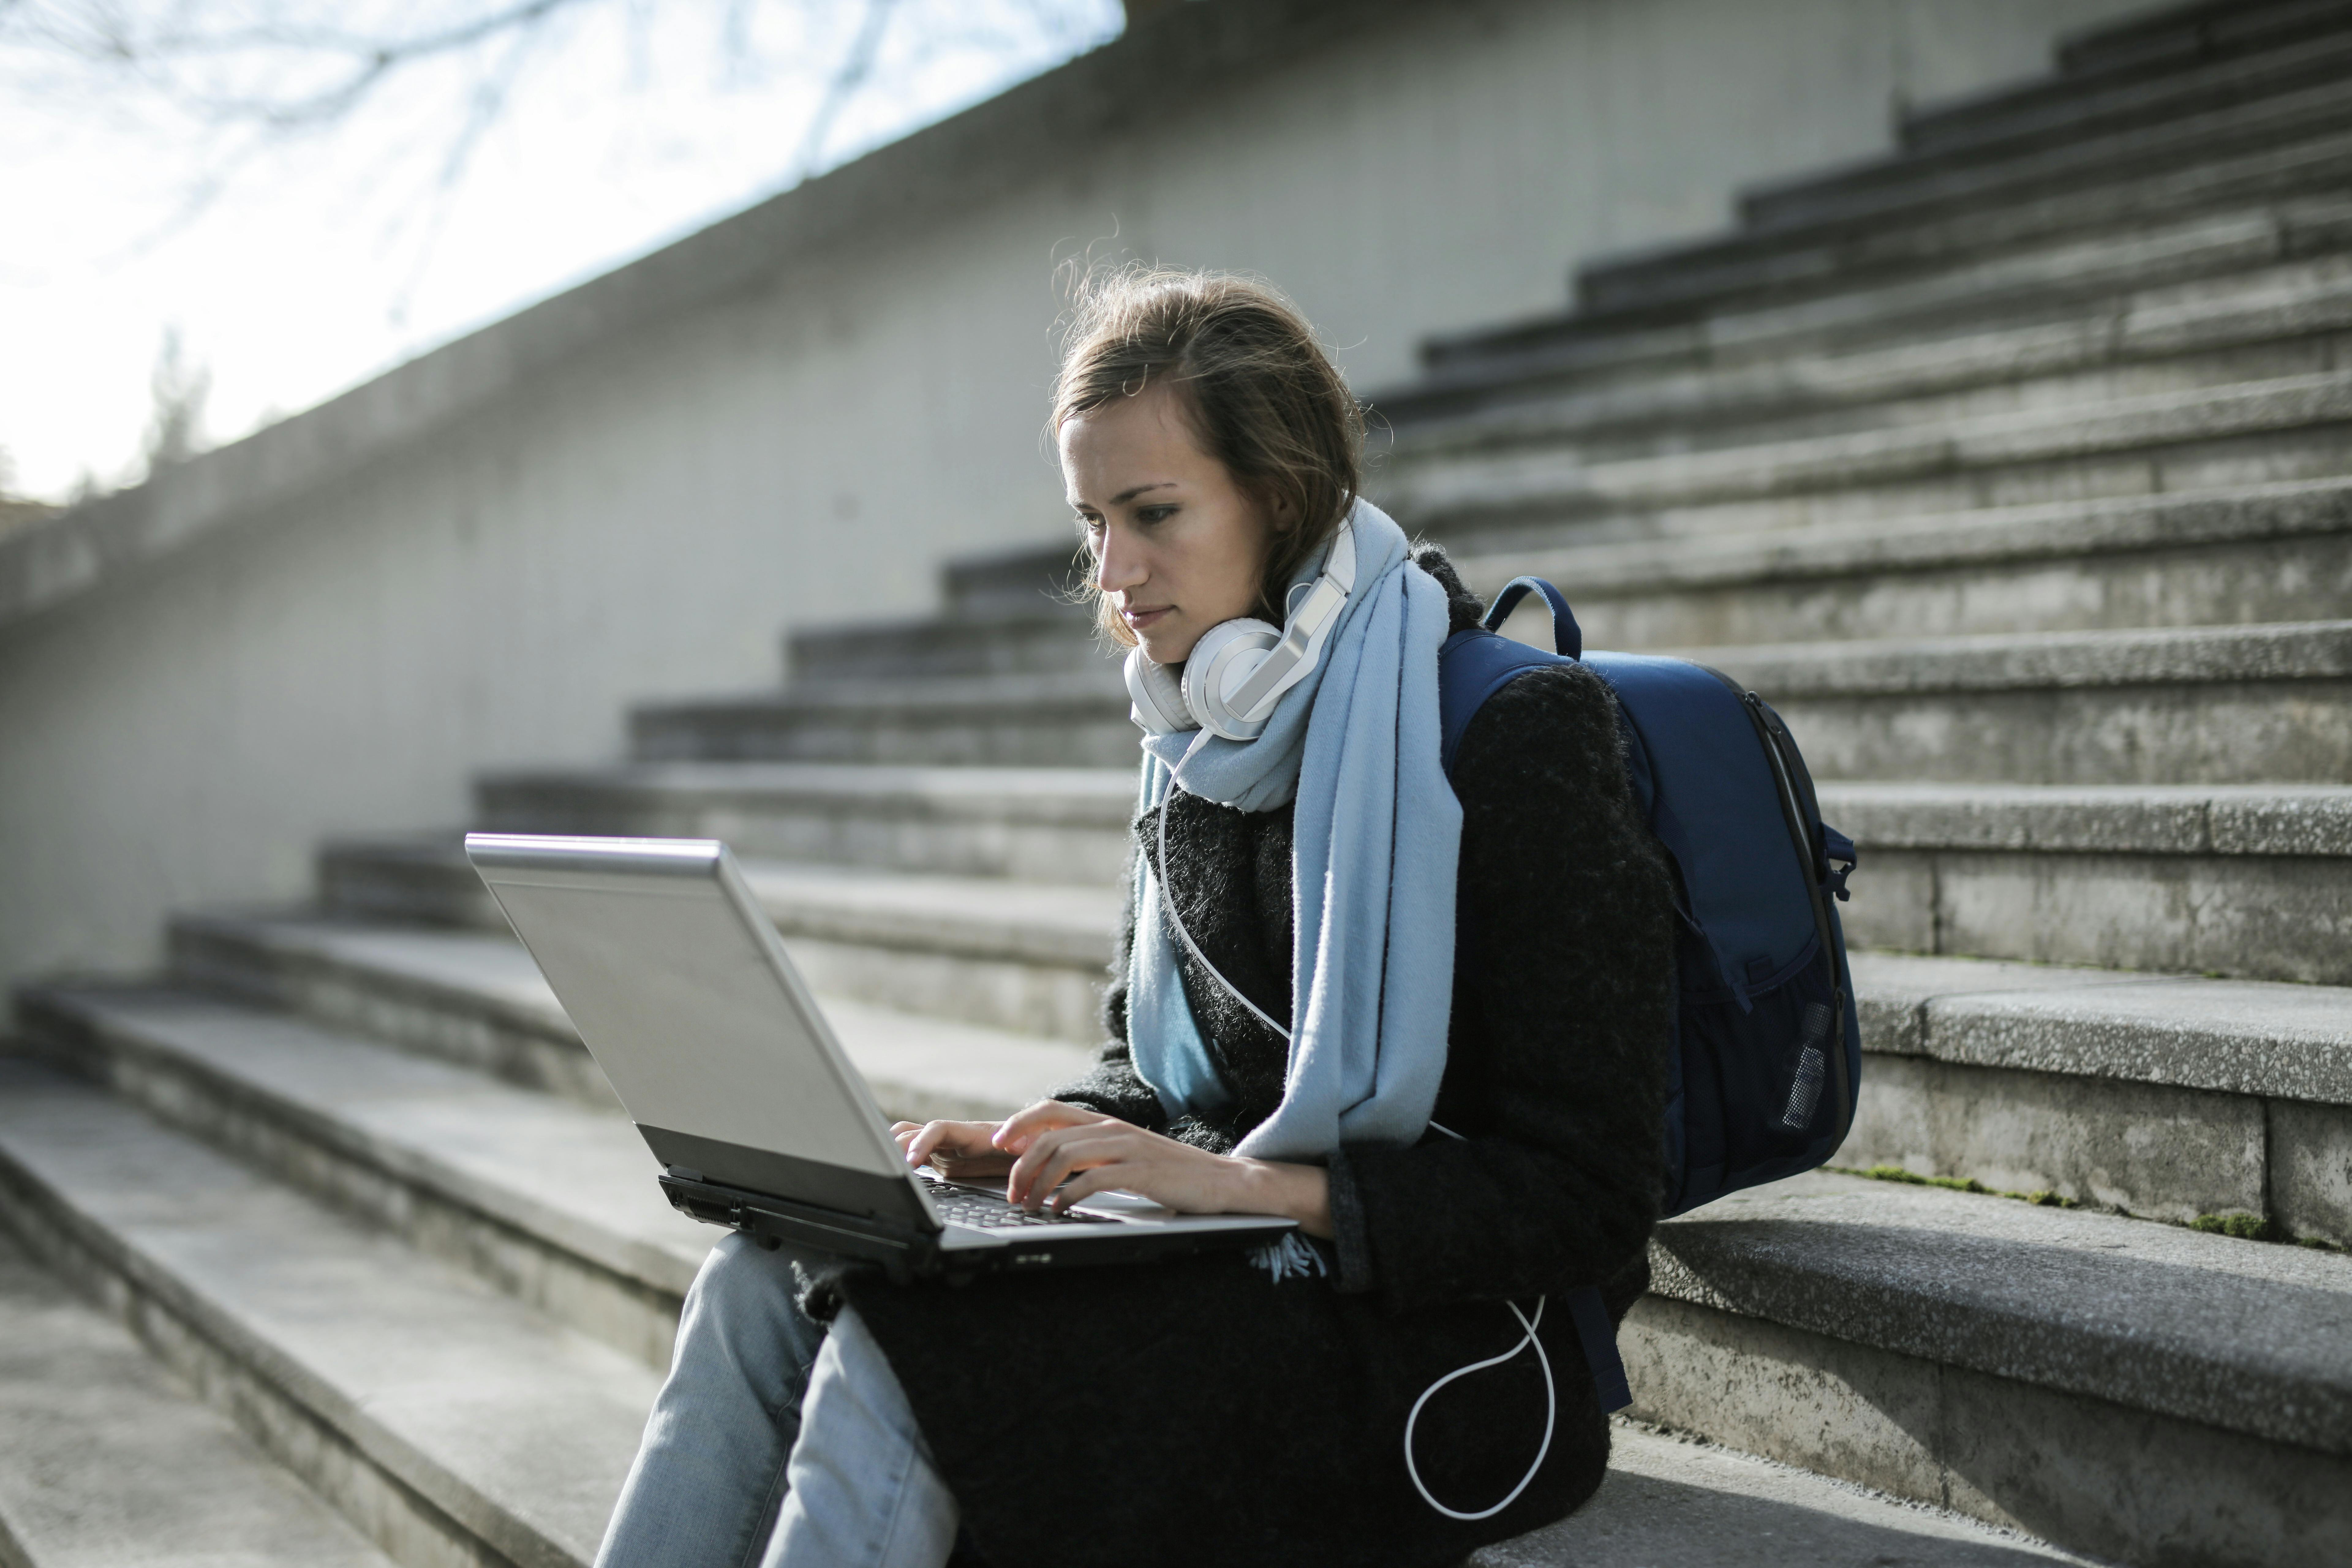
1026 1182
1013 1134
1045 1165
929 1139
1016 1179
1071 1155
1086 1183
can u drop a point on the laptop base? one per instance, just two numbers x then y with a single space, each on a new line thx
955 1253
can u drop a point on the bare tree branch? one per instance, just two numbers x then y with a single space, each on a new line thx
847 78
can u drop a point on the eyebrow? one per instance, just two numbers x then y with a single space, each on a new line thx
1130 492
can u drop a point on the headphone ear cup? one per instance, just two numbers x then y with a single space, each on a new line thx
1157 694
1223 658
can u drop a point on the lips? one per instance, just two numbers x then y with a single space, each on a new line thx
1137 619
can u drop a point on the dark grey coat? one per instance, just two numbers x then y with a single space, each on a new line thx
1195 1411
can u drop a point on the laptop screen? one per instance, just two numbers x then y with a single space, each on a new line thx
681 991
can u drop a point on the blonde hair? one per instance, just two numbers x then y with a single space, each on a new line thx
1261 394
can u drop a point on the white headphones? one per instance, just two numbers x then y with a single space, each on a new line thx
1239 669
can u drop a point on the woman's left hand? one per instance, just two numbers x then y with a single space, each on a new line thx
1103 1156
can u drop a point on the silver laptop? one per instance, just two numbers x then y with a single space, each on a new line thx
682 992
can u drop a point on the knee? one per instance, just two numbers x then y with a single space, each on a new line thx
747 1298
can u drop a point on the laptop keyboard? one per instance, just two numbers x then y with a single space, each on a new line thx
987 1211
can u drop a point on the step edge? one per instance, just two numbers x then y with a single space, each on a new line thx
304 1388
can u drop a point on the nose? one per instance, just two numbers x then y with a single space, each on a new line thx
1121 565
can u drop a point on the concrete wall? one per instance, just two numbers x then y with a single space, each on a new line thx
631 491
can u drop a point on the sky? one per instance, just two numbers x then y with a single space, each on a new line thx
324 254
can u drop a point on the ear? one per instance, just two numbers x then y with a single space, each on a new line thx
1282 513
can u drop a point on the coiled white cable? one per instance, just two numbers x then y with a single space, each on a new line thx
1551 1396
1551 1410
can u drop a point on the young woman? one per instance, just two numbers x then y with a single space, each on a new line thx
1426 1018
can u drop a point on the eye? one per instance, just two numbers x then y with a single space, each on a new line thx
1152 514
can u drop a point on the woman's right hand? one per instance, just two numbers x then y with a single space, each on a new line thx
969 1151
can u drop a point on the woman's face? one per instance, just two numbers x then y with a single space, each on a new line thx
1177 545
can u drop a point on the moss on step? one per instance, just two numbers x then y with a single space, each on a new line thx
2043 1199
2237 1222
2257 1227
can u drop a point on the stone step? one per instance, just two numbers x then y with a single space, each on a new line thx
1026 956
2025 1077
2171 1096
476 998
552 1201
2173 705
1917 355
1007 584
452 1423
2246 880
299 1310
2290 143
1023 956
998 953
2133 1390
951 644
556 1205
2171 35
2161 283
2218 108
1759 1288
2290 429
1072 720
1060 825
349 1117
109 1461
1746 271
2199 704
1668 1498
2131 74
2242 556
2249 882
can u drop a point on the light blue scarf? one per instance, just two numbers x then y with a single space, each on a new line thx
1376 837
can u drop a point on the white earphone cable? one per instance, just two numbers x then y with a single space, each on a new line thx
1551 1396
1552 1412
1167 902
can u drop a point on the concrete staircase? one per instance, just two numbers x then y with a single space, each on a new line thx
2015 467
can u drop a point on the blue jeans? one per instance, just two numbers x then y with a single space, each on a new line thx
776 1443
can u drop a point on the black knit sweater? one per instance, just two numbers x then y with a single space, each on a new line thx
1194 1411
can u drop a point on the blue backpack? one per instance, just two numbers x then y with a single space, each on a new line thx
1766 1050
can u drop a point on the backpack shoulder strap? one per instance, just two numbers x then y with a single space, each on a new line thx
1475 664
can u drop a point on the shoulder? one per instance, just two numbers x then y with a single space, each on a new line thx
1463 608
1552 727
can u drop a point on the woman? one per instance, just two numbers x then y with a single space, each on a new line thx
1432 1033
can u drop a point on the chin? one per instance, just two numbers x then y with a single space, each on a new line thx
1161 649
